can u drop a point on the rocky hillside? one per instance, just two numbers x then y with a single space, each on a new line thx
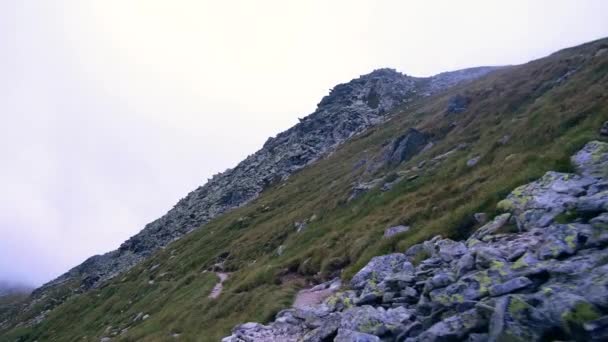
440 163
537 272
11 296
9 288
350 108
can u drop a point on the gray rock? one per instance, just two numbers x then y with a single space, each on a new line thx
392 231
537 203
563 240
458 104
597 330
409 294
363 187
398 281
480 218
510 286
485 257
438 281
592 204
388 297
454 328
505 139
601 52
138 317
369 297
491 227
414 250
277 331
405 147
379 268
345 335
478 338
604 129
410 330
567 311
280 250
600 221
508 323
328 328
449 250
473 161
340 301
465 264
375 321
592 160
300 225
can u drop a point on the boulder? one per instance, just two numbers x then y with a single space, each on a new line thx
486 257
515 320
379 268
326 330
345 335
537 204
454 328
375 321
405 147
449 250
465 264
604 129
491 227
592 160
510 286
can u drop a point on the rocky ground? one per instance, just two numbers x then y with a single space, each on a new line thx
537 272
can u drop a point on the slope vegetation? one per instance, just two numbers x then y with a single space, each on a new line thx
537 272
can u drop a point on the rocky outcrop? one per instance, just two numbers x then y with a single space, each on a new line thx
349 109
458 104
9 289
537 272
404 147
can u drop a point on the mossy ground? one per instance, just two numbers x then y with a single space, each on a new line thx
546 120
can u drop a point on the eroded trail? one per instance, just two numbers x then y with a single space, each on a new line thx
217 289
314 296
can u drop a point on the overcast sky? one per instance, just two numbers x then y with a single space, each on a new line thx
114 110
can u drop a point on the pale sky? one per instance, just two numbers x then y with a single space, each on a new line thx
112 110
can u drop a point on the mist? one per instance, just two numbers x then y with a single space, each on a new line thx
114 110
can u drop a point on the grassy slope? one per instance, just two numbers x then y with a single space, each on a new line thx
547 121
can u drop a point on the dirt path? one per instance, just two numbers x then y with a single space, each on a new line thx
315 295
217 289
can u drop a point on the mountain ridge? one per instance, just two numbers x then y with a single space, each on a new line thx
437 166
350 108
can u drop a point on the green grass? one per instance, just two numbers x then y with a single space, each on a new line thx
547 122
